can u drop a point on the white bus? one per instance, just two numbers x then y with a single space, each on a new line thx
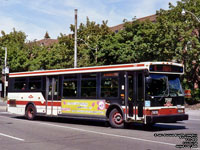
148 92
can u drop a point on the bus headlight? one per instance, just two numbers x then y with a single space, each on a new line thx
180 111
154 112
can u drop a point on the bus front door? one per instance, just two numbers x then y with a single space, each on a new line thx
134 90
51 94
140 84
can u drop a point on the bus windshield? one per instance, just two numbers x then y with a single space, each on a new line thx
163 85
175 88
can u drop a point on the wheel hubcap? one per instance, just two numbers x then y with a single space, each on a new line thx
117 117
30 113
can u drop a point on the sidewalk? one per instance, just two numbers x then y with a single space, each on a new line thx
2 105
193 112
2 101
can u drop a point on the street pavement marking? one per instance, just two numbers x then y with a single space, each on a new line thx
113 135
12 137
100 133
107 134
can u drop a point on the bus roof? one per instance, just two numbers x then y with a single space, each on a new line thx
106 68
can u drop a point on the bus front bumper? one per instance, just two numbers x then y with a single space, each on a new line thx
166 118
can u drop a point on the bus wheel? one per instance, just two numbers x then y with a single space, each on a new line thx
30 112
116 119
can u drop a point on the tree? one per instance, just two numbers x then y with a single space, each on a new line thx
17 55
46 36
186 41
172 37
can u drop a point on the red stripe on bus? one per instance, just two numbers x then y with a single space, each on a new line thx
78 69
165 111
54 103
17 102
168 111
37 103
140 65
147 112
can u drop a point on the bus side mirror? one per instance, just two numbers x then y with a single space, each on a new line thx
148 80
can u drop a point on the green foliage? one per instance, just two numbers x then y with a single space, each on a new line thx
55 57
17 55
172 37
90 36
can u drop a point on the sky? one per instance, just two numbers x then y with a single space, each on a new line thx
36 17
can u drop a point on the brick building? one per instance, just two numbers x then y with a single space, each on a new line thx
119 27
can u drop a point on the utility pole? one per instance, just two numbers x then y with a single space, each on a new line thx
75 40
5 70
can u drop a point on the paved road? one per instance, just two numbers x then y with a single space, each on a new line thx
17 133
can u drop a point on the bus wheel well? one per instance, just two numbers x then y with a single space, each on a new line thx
30 103
111 108
30 111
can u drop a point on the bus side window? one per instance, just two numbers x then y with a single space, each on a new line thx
70 86
110 85
20 84
35 83
88 85
24 87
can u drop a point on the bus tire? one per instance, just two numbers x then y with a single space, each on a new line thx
116 119
30 112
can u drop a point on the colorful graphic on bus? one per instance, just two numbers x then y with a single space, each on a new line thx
89 107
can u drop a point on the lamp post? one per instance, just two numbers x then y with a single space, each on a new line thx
198 20
5 71
75 40
186 11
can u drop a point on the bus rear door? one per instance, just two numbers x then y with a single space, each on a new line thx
51 94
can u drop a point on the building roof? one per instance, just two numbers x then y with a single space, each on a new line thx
119 27
50 42
46 42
